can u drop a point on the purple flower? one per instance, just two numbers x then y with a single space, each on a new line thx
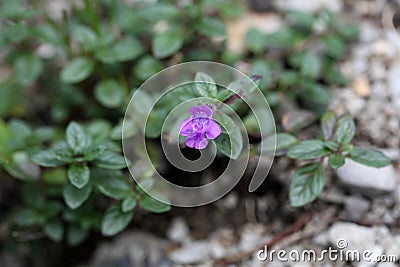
199 127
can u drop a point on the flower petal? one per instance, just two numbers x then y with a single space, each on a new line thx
201 111
186 127
197 141
191 141
213 130
202 144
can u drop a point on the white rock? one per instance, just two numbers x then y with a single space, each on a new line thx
396 195
391 244
252 235
383 48
393 79
356 207
386 264
195 252
368 32
357 237
179 231
377 70
367 180
311 6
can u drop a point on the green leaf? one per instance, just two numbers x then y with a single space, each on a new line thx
283 141
334 47
54 230
75 197
230 145
147 67
167 43
5 137
205 85
27 69
94 152
347 148
99 130
301 19
309 149
345 130
328 121
76 235
306 184
77 70
129 203
211 27
332 145
114 220
155 122
21 167
255 40
46 159
109 93
56 176
78 175
127 49
283 39
128 126
244 86
225 121
311 65
333 75
21 133
262 68
347 31
151 204
288 78
12 97
369 157
29 217
83 34
46 33
110 160
114 187
77 138
316 94
336 161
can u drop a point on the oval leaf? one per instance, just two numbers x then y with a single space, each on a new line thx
166 44
109 93
306 184
345 130
78 175
75 197
151 204
310 149
369 157
110 160
77 70
114 220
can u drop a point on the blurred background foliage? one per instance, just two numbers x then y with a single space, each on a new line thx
66 76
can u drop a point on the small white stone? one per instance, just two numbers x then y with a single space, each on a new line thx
195 252
179 231
368 32
393 80
367 180
356 236
356 207
311 6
